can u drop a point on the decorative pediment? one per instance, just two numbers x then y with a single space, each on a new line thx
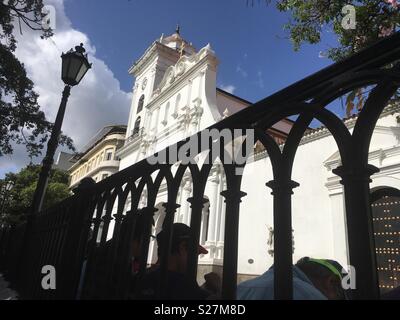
183 65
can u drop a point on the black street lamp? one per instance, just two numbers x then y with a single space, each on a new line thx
75 64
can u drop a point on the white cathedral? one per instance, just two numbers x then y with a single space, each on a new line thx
175 95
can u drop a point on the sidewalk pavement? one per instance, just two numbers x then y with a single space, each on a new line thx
5 292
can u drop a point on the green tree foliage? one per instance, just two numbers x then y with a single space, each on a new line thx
19 199
21 120
375 19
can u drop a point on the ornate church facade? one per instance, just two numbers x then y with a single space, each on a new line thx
175 95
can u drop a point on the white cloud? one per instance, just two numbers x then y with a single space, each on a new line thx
97 101
322 55
241 71
228 88
13 162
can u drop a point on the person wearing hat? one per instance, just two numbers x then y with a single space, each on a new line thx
313 279
179 287
84 184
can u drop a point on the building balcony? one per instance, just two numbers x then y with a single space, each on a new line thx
106 164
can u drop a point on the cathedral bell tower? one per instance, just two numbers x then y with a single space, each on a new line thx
148 71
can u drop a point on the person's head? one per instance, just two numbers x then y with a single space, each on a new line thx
325 275
212 282
181 237
84 184
139 231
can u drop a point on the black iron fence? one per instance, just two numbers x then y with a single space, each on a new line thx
72 234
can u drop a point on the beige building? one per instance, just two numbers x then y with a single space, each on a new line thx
98 158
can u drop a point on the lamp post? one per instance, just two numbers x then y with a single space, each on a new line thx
74 67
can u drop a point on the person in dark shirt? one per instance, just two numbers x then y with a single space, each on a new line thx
179 287
135 253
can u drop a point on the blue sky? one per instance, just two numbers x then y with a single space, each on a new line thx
255 57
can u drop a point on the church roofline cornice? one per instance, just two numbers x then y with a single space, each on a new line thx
231 95
148 55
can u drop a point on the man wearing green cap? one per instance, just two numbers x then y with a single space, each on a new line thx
313 279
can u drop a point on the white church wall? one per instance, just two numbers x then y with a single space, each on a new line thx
338 219
312 217
256 215
386 133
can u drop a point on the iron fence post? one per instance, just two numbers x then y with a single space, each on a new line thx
197 205
233 198
360 234
282 191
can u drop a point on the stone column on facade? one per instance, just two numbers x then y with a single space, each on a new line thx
179 210
188 108
187 189
189 95
198 110
204 223
221 220
212 221
147 120
156 123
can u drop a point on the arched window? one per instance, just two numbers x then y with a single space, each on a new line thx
140 104
176 109
136 127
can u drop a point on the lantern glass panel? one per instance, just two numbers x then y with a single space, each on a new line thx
65 66
75 65
84 68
